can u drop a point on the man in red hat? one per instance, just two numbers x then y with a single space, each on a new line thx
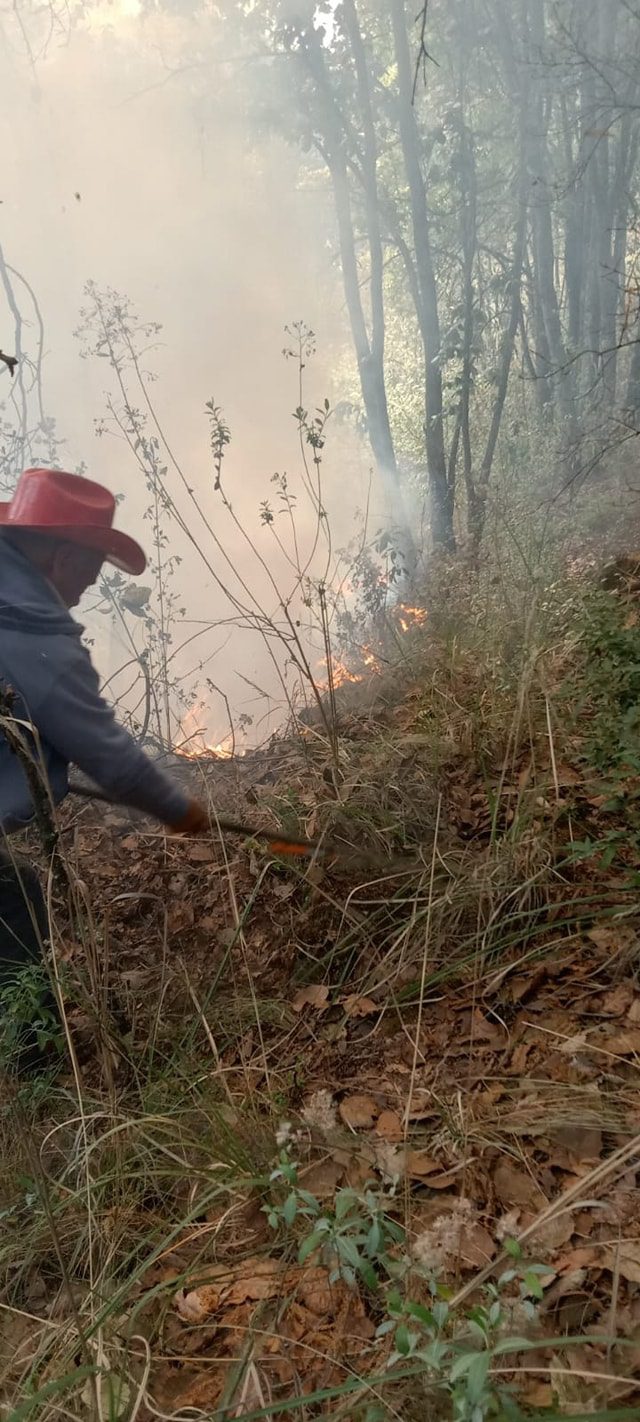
55 534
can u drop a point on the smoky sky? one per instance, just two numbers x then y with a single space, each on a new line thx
125 163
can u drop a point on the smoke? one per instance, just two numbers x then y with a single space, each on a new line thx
126 163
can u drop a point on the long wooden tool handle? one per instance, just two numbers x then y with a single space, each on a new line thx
277 843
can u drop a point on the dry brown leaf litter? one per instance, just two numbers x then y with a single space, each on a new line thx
518 1083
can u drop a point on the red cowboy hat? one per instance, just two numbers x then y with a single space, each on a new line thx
76 510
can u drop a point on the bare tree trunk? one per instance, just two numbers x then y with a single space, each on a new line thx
632 401
373 371
370 367
477 512
537 156
428 315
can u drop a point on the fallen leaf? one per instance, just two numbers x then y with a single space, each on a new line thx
617 1002
624 1260
613 938
566 775
358 1111
316 995
421 1104
314 1290
522 987
584 1142
575 1259
514 1187
202 853
570 1045
553 1233
355 1006
443 1182
476 1245
194 1305
519 1057
358 1173
634 1010
624 1044
389 1126
260 1279
419 1164
321 1178
136 977
283 890
487 1031
389 1161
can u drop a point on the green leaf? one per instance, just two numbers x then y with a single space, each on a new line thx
348 1251
394 1302
434 1355
374 1239
477 1376
345 1200
394 1230
532 1285
368 1274
290 1208
512 1247
423 1314
516 1345
309 1244
309 1200
463 1364
403 1340
479 1332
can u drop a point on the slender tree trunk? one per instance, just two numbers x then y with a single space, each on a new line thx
573 233
375 373
538 162
428 315
477 513
334 146
632 401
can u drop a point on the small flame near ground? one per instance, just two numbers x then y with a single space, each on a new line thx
409 617
193 742
406 619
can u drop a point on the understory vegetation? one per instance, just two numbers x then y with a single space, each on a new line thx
348 1142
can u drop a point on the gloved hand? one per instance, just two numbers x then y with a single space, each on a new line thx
196 821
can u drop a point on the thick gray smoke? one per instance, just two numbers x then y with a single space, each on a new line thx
121 166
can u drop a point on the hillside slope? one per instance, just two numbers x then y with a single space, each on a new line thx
344 1142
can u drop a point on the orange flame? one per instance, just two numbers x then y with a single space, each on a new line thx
339 672
409 617
193 743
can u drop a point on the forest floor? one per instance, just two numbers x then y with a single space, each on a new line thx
350 1144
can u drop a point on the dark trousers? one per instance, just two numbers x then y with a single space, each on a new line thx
23 931
23 916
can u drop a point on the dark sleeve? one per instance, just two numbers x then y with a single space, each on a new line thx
82 728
